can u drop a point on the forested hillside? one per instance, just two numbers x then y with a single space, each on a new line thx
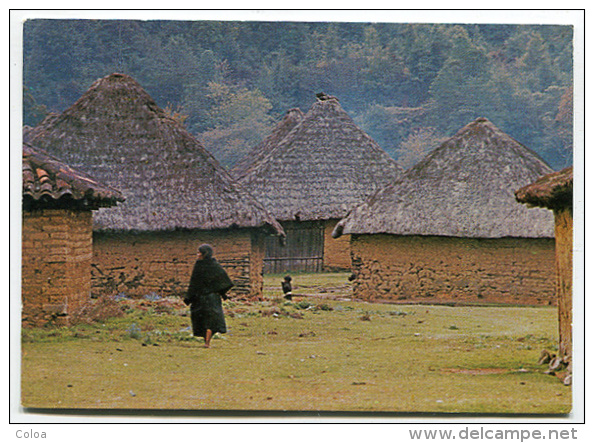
407 85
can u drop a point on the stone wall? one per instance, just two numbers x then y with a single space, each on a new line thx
433 269
337 251
138 264
56 264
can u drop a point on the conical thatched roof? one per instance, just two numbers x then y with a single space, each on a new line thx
464 188
117 133
325 166
291 119
551 191
49 183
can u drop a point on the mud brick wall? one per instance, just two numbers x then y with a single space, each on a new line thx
433 269
337 251
564 257
139 264
257 253
56 264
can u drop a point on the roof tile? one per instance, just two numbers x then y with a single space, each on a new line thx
49 182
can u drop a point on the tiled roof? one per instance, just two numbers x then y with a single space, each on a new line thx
47 182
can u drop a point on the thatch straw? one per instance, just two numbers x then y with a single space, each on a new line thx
551 191
49 183
464 188
117 133
325 166
291 119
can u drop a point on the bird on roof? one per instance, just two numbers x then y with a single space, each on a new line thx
323 96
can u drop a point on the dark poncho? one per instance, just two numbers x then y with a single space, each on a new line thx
209 282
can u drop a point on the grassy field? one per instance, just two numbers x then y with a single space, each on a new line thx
321 352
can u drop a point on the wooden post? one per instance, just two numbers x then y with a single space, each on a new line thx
564 254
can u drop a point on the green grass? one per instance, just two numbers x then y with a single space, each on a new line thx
314 354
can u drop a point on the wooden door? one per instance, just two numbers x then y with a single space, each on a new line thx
303 251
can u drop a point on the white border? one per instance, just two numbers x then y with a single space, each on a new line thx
351 433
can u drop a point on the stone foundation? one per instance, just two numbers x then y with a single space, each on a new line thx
434 269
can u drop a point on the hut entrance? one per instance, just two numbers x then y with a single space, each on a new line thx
303 251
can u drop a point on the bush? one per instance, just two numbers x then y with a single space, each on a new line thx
134 331
152 296
303 304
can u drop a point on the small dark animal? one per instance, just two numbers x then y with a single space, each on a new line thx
287 288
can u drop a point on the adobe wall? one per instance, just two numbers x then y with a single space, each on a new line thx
433 269
139 264
257 264
56 264
337 251
564 258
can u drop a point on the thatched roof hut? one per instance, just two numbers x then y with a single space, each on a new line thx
117 133
177 194
322 168
311 178
291 119
450 228
464 188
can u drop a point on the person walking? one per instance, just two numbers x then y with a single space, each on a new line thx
209 284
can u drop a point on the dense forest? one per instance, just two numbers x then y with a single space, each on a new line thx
407 85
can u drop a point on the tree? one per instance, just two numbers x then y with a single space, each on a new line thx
33 112
424 49
537 65
512 74
280 80
172 66
176 114
564 125
418 144
238 119
390 126
459 88
564 118
196 101
50 62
